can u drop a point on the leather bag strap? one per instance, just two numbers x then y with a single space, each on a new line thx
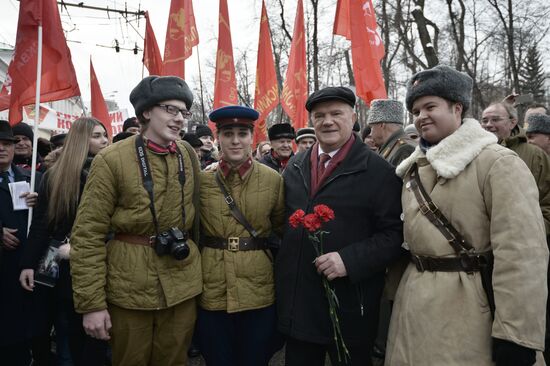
429 209
237 214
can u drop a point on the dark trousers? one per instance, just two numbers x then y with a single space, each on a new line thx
85 350
237 339
299 353
18 354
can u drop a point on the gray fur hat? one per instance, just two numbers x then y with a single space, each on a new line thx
385 111
538 123
155 89
440 81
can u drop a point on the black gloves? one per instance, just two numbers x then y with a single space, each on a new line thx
506 353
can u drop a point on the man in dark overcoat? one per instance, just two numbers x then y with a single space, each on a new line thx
364 238
16 303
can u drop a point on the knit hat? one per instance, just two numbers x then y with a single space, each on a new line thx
411 129
281 131
122 136
385 111
130 122
23 129
305 132
340 93
440 81
6 133
155 89
538 123
203 130
58 140
192 139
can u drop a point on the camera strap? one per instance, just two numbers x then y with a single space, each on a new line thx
147 178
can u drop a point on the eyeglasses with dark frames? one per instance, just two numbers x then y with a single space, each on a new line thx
173 110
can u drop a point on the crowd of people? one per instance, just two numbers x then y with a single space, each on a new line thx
415 244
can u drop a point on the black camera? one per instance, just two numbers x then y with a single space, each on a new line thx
174 242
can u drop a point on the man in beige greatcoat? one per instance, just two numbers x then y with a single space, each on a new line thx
441 314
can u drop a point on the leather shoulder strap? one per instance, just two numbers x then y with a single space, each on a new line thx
237 214
429 209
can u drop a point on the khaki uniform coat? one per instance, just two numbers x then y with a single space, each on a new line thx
128 275
398 147
489 195
538 163
238 281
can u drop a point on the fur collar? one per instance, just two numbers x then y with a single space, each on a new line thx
453 153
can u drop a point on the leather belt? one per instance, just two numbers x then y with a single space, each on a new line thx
147 241
234 244
465 263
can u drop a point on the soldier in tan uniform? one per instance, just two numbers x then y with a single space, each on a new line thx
242 204
386 122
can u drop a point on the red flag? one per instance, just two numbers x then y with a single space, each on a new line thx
295 86
225 87
58 75
367 50
342 24
151 53
99 107
266 96
181 37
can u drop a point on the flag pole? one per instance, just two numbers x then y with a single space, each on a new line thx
330 58
81 103
200 83
36 119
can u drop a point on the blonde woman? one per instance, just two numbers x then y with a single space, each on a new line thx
53 219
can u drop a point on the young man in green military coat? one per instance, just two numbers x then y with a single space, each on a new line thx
139 289
242 204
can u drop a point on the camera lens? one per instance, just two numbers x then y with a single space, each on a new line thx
180 251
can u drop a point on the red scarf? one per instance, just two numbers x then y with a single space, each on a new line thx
161 150
282 161
333 163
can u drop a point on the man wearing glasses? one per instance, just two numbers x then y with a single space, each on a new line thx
139 290
501 119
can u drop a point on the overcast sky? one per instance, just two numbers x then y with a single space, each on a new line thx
89 30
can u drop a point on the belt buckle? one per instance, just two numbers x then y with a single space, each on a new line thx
152 240
467 262
428 207
418 263
233 244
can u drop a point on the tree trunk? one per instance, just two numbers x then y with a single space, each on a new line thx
425 38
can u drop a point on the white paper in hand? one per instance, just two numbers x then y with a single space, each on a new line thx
16 190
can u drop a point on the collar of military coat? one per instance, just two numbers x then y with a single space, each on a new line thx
453 153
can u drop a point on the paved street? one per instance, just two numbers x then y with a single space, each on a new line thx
277 360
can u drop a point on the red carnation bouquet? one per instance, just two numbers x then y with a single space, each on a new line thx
313 223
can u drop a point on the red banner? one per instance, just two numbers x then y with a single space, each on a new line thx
295 88
181 37
99 107
151 53
342 25
266 96
367 50
225 87
58 79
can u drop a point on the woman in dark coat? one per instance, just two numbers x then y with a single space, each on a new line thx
53 219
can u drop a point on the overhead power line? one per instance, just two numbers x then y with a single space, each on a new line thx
81 5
